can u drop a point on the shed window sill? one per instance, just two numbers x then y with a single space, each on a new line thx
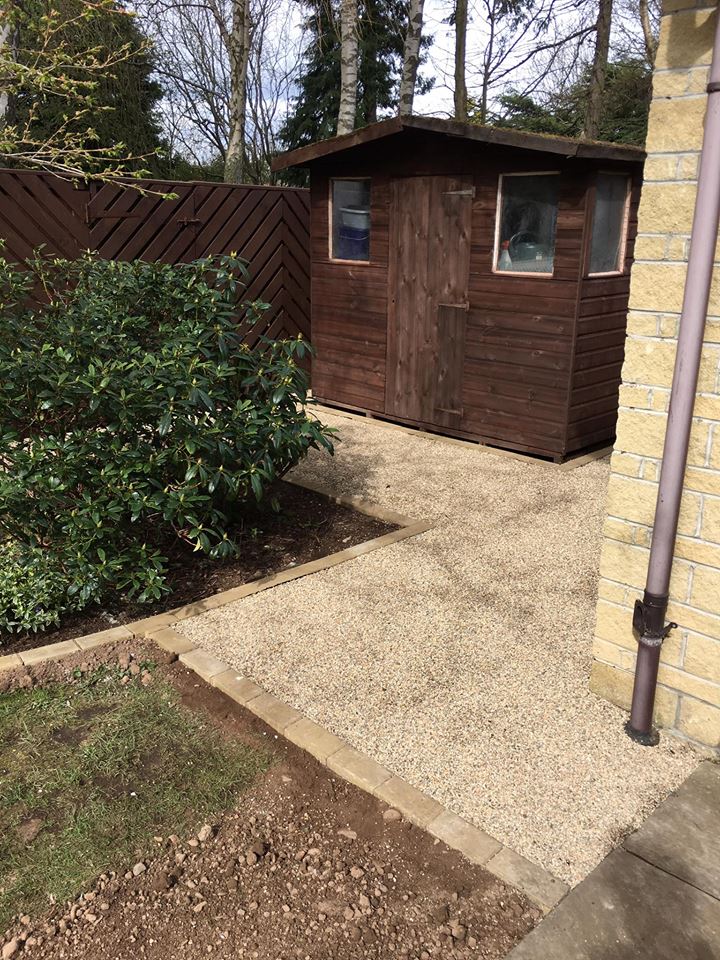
522 273
351 263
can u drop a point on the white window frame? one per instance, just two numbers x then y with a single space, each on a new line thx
331 228
622 249
498 217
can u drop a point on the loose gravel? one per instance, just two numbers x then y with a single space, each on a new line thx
460 658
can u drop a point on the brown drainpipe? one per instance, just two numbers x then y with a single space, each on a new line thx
649 615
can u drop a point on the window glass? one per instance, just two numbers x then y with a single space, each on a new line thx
606 255
528 217
350 219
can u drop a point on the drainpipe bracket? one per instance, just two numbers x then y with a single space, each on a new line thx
651 739
648 620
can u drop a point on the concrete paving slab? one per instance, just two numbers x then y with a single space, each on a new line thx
412 804
274 712
682 837
143 628
236 686
173 642
310 736
358 768
628 910
92 640
51 651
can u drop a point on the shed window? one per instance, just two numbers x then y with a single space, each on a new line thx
607 247
350 216
527 218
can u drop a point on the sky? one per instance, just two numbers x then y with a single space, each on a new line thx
440 63
441 55
283 40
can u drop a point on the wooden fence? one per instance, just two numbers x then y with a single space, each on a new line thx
267 226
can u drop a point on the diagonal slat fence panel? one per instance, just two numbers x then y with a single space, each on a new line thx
267 226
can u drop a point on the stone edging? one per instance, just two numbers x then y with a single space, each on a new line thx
142 628
357 768
477 846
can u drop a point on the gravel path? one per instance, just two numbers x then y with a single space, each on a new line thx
460 658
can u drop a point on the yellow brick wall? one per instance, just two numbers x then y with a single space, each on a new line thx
688 698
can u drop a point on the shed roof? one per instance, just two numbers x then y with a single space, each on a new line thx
565 146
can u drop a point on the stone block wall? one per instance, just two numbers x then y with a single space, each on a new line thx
688 699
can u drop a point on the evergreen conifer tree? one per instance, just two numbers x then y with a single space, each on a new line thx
381 40
126 97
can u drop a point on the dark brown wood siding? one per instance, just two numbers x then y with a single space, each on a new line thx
520 329
349 307
524 368
599 347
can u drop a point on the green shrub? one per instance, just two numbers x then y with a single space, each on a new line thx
33 588
132 414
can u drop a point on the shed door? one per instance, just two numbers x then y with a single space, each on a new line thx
430 222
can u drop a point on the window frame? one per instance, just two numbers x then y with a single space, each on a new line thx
498 222
624 229
331 228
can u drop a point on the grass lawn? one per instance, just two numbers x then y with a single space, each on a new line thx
91 771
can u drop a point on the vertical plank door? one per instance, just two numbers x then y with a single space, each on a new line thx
407 295
428 298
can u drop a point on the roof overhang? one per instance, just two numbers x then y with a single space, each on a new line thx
564 146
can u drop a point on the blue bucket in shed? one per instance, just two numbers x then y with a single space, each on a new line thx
353 243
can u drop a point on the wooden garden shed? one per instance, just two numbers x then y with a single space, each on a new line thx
472 280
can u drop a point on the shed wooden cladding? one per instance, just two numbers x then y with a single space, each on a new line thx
427 331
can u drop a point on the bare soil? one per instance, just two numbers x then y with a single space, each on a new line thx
306 527
305 866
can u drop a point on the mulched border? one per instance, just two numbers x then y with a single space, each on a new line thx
406 527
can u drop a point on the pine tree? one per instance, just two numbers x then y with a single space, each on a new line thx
383 26
315 109
381 42
126 97
624 113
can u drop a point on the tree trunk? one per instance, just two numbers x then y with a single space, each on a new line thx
8 39
411 57
348 67
493 13
239 54
599 70
366 109
461 16
648 35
